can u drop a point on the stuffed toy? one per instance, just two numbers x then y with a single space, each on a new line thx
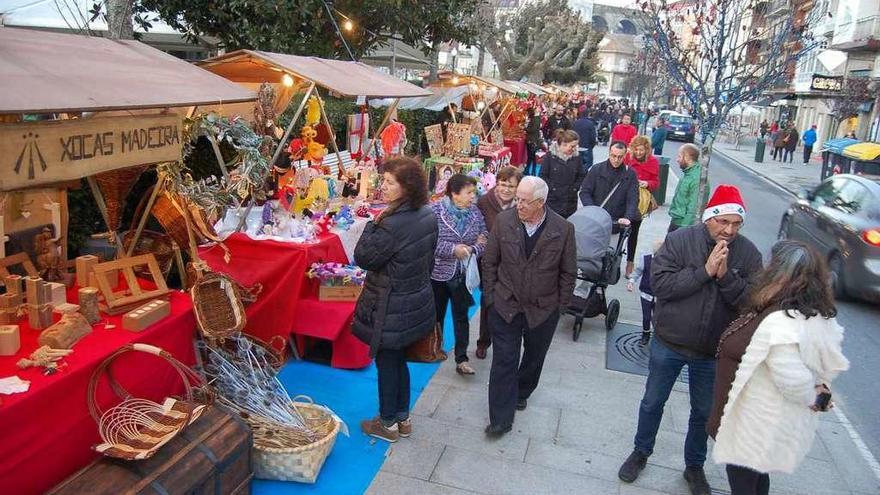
313 111
393 138
314 151
296 149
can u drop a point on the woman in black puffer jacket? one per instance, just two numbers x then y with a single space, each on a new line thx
562 170
396 307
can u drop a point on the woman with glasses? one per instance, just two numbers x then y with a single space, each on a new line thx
462 234
499 198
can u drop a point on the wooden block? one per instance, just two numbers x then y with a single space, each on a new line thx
33 290
40 312
58 293
65 333
14 284
66 308
10 340
146 315
84 265
9 304
88 304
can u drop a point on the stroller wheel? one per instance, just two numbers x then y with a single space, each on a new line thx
611 315
576 331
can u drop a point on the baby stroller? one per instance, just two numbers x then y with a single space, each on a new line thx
603 133
598 267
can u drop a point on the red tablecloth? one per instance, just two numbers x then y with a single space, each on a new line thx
288 303
46 433
517 150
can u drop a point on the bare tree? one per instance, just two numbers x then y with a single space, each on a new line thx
540 38
726 52
855 92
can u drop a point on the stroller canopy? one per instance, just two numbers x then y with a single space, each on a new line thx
592 234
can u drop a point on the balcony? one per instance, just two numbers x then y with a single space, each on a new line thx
861 35
778 8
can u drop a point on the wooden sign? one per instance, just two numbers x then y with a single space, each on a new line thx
36 153
434 136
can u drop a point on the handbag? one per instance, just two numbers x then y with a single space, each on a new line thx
428 349
647 202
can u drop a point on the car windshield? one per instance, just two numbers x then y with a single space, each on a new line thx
679 119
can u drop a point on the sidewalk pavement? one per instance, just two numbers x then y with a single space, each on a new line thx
578 428
791 177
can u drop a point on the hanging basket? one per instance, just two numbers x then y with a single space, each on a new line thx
275 458
217 306
115 186
136 428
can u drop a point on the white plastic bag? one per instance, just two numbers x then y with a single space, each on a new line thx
472 274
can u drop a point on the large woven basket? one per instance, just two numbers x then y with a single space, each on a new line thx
302 464
136 428
217 306
115 186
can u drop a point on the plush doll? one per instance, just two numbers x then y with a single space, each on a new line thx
296 149
393 138
313 111
314 151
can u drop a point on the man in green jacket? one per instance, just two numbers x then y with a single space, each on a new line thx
685 204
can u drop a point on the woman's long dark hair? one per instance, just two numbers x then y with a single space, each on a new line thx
412 179
797 278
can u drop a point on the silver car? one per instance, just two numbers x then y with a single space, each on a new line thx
841 218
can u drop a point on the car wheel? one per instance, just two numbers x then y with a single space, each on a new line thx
838 280
784 227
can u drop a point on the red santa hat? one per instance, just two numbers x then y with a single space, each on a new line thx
726 200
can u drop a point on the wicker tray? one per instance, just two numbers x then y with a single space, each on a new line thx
217 306
302 464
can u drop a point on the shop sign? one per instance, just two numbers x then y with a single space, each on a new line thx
826 83
37 153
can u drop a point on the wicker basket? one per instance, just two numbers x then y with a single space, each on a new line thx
115 186
217 306
302 464
136 428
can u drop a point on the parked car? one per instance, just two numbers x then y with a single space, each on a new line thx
681 127
841 218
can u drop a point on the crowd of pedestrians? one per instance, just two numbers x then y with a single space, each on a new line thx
761 344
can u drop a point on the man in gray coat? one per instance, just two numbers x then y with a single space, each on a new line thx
529 270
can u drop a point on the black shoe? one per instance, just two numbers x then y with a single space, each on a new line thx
646 337
633 465
521 404
696 479
495 431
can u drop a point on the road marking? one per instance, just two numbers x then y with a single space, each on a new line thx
860 444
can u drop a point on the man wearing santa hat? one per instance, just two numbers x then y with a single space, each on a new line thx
700 277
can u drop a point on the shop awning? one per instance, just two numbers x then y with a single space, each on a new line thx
349 79
439 100
45 72
865 152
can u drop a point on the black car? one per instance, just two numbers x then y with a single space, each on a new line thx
841 218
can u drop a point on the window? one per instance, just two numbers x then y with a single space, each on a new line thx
827 191
626 26
852 197
600 24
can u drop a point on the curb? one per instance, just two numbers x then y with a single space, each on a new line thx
756 172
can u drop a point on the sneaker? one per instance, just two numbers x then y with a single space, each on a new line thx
633 465
375 428
464 368
696 479
521 404
404 428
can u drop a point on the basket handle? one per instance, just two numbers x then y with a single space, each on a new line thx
187 376
141 206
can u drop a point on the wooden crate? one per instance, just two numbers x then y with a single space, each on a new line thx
211 456
339 292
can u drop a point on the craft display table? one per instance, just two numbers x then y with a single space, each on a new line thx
518 154
46 433
288 302
496 159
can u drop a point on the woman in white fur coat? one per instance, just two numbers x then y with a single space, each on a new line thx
772 364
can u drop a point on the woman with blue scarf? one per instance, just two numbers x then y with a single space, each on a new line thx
462 234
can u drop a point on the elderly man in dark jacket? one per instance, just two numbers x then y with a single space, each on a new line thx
701 278
529 270
613 186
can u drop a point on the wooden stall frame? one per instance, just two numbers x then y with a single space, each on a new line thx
18 259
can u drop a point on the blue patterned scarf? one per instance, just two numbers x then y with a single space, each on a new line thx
460 215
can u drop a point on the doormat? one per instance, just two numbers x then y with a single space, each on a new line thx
625 353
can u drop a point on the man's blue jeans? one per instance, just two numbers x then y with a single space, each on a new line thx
663 369
586 160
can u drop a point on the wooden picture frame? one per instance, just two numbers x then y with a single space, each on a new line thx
458 139
18 259
123 301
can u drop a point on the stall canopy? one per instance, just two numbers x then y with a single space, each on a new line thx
45 72
440 99
525 87
349 79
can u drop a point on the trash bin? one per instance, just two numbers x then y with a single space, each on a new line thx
760 145
660 193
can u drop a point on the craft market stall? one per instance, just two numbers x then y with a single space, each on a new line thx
77 107
279 244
